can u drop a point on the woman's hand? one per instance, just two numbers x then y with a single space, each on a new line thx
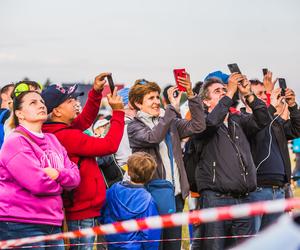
51 172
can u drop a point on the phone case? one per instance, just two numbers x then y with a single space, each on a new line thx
181 73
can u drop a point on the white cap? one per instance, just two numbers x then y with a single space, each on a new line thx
100 123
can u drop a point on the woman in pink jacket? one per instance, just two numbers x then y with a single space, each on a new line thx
34 170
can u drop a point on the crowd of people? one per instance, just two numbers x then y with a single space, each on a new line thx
61 164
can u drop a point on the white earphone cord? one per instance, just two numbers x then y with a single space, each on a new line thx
271 138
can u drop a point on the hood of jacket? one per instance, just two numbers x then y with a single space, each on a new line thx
127 201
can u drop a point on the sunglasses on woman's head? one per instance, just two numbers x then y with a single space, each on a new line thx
23 87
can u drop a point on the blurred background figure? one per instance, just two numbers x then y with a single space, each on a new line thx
6 106
100 128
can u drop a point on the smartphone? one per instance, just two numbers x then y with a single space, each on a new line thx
111 83
282 85
179 73
265 71
234 68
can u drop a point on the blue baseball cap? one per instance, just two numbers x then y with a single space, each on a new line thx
218 74
124 93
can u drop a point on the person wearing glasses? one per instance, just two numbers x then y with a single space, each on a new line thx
160 135
34 171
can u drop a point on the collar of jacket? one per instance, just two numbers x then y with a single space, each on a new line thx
149 120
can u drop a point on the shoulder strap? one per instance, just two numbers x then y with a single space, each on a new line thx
30 138
25 135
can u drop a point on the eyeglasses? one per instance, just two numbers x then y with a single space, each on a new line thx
23 87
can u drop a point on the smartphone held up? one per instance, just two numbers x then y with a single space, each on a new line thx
111 83
179 73
234 68
265 71
282 85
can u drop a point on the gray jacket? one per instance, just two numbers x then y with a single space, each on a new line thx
142 138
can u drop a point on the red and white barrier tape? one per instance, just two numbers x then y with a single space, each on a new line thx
170 220
140 241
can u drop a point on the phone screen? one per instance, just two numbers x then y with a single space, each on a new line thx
234 68
282 85
179 73
111 83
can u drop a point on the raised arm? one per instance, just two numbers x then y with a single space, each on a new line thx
90 111
292 126
197 123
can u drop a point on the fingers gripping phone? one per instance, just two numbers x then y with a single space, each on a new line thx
179 73
234 68
282 85
111 83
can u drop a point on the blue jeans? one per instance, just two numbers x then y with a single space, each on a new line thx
15 230
83 243
264 194
242 226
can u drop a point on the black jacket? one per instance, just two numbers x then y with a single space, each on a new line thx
282 131
226 164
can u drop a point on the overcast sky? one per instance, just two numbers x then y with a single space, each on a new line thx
72 41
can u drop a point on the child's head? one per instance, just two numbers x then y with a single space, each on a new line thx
141 167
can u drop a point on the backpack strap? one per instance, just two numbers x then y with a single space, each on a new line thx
26 135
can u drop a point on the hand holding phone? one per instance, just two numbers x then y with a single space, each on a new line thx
282 85
179 73
111 83
234 68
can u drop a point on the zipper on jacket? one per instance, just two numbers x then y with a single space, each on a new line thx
214 171
238 155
